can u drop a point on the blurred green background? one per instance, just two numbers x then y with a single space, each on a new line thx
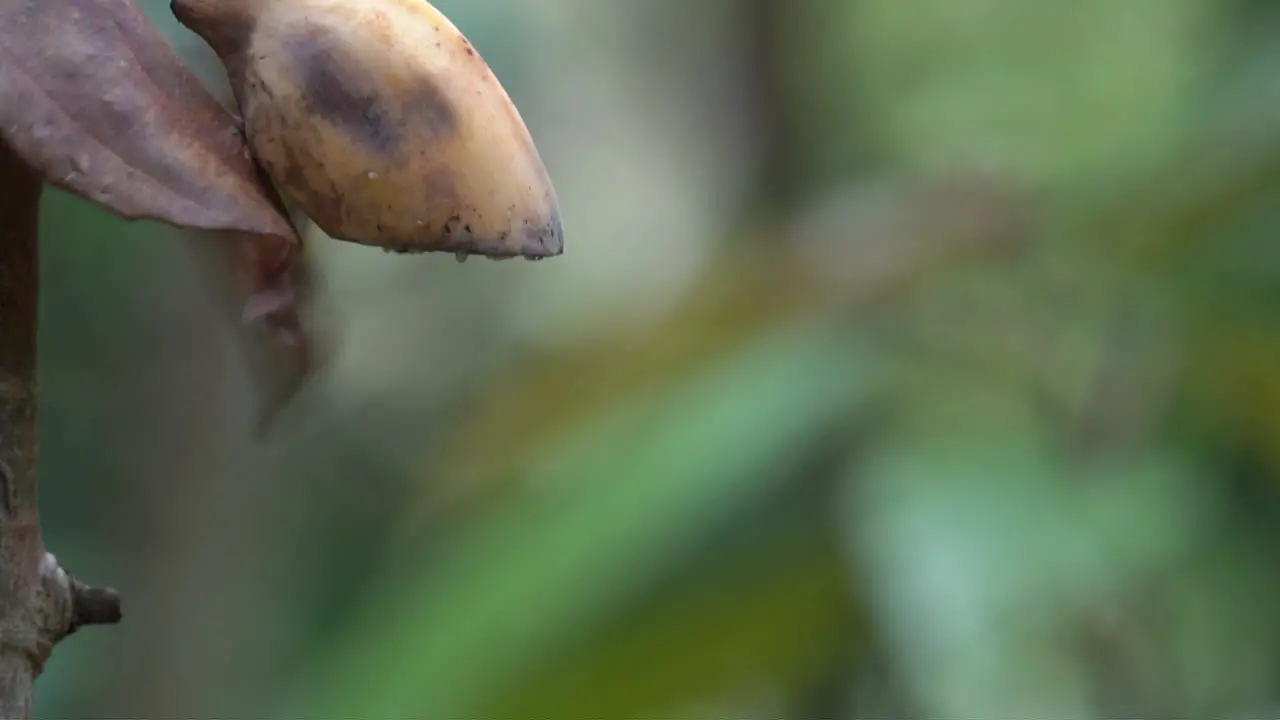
908 358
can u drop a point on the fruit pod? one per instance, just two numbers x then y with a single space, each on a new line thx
381 122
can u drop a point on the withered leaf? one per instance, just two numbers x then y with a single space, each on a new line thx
95 99
271 296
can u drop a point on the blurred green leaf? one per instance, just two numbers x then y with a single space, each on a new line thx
537 401
621 501
1047 91
775 607
982 538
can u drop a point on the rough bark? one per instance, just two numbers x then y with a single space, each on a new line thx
40 603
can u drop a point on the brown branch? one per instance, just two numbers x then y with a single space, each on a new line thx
40 603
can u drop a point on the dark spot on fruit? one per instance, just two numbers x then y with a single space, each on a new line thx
428 111
334 89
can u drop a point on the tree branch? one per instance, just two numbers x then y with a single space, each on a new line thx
40 603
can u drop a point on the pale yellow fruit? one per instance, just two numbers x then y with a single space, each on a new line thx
380 121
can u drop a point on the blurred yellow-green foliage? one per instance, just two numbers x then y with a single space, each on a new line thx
909 358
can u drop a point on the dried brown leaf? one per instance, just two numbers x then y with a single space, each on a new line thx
271 297
268 284
97 101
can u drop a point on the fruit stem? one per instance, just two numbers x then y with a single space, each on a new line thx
226 25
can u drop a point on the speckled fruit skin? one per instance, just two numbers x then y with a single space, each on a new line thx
381 122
